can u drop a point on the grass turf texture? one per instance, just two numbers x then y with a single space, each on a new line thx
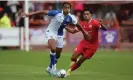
104 65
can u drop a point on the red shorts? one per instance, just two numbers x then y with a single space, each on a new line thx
85 50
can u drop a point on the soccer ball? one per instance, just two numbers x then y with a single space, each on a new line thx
61 73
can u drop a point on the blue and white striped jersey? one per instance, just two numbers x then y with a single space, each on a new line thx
59 21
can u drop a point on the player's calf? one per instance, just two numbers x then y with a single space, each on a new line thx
76 65
72 62
58 53
52 45
57 57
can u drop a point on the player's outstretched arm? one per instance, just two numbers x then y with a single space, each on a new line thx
103 27
86 35
45 12
71 29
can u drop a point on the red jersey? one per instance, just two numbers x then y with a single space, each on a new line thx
92 29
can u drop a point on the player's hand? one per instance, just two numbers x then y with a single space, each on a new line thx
24 15
100 20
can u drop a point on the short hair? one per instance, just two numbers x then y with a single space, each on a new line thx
66 3
88 9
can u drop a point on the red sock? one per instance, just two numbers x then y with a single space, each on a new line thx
74 67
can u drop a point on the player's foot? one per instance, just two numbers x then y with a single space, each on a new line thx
68 72
48 70
53 72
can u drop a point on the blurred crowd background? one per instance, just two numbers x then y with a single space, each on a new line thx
116 15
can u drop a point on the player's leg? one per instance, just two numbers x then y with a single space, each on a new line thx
77 52
52 46
58 53
52 67
74 58
59 47
76 65
86 54
51 38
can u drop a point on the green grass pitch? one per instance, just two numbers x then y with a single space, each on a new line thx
104 65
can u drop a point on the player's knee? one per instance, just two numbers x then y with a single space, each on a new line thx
73 59
53 50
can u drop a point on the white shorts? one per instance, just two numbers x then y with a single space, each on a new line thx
50 35
60 42
59 39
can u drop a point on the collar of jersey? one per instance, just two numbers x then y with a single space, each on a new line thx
90 21
63 14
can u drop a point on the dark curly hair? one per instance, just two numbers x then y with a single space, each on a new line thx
66 3
88 9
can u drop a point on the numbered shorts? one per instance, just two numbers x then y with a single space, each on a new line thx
59 42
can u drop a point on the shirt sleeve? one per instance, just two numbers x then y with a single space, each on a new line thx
74 20
53 12
97 24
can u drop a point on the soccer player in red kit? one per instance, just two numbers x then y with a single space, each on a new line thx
86 48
